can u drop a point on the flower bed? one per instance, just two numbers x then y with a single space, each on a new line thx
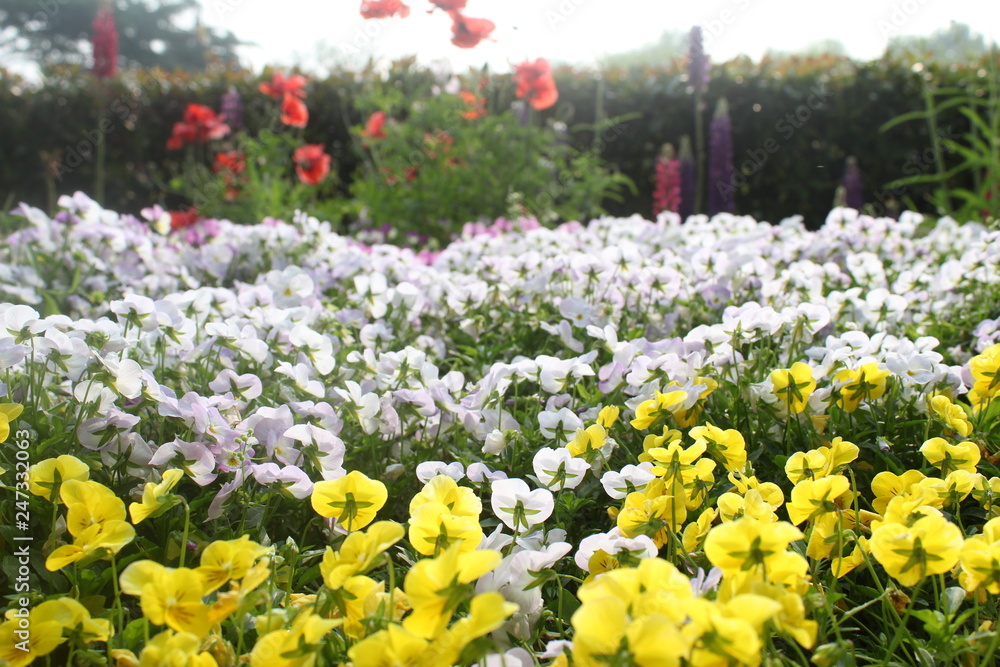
629 442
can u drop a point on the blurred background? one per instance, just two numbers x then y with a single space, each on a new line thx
806 90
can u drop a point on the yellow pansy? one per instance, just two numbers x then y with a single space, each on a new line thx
947 457
358 552
42 477
296 646
654 511
154 496
745 543
173 597
459 500
353 500
952 415
8 413
658 408
812 498
111 535
175 648
980 559
733 506
437 586
794 386
588 440
726 446
89 503
433 529
805 465
863 384
226 560
932 545
887 485
608 416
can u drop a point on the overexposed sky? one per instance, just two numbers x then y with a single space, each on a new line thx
317 32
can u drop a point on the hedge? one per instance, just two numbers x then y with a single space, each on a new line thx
795 121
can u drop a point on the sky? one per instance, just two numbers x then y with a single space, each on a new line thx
315 33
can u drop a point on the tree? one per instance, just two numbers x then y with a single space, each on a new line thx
150 33
671 46
954 44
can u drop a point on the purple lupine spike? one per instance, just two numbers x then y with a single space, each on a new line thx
685 207
699 69
720 162
667 194
105 42
853 195
232 109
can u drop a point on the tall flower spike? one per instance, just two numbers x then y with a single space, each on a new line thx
232 109
105 42
851 181
688 181
720 161
698 66
667 195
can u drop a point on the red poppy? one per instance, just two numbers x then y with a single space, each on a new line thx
233 162
450 5
200 125
534 82
230 164
375 127
294 111
478 105
466 32
311 163
383 9
182 219
281 86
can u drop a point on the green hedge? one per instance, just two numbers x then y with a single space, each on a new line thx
793 165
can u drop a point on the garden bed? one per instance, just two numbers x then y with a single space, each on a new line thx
621 442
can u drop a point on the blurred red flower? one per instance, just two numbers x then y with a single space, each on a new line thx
182 219
281 86
383 9
230 164
466 32
375 127
105 43
200 125
294 111
311 163
477 104
535 83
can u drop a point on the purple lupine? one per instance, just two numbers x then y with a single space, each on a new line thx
232 109
699 71
688 181
853 196
720 161
667 194
105 43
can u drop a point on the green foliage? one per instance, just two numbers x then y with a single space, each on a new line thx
446 161
976 155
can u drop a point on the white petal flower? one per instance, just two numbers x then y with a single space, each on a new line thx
518 506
